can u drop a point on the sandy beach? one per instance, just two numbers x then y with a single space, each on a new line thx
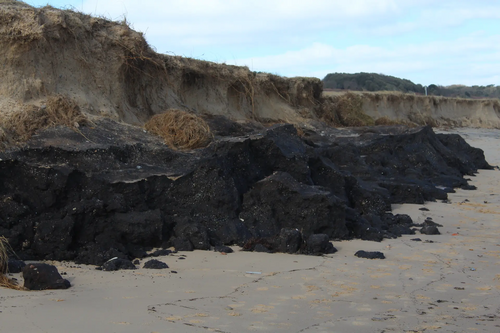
442 283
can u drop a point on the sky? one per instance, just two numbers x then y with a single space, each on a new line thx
441 42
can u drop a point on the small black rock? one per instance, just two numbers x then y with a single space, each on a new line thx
424 209
155 264
318 244
136 262
430 223
261 248
43 277
223 248
430 230
116 264
369 254
416 239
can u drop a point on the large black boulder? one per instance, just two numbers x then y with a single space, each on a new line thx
39 276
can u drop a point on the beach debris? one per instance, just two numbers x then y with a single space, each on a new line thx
116 264
40 276
155 264
472 269
255 273
369 254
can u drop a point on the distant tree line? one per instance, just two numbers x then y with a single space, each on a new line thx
381 82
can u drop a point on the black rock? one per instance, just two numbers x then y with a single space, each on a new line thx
182 244
15 266
155 264
136 262
318 244
42 277
430 230
116 264
424 209
416 239
280 201
115 191
430 223
261 248
369 254
223 248
194 233
289 241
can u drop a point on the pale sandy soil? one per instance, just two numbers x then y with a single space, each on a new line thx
450 285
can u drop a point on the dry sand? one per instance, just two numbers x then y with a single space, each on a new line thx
451 284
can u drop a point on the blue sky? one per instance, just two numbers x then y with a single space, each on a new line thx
427 41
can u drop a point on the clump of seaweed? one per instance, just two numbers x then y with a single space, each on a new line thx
5 282
58 110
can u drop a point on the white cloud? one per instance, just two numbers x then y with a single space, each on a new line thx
462 59
317 37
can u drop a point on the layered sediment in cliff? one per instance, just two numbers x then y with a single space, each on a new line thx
109 70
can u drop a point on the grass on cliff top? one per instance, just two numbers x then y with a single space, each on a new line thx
5 282
180 129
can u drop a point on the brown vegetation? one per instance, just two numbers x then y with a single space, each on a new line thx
385 121
180 129
58 110
5 282
344 110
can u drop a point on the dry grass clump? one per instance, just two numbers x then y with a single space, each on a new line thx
59 110
180 129
5 282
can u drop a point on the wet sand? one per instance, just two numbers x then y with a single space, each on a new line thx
443 283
